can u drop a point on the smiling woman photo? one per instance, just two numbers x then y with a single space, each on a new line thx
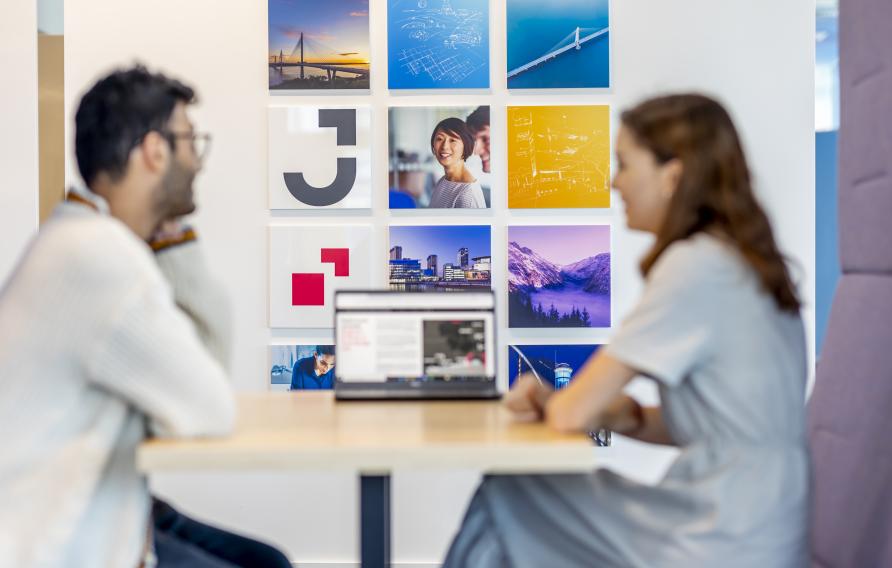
452 143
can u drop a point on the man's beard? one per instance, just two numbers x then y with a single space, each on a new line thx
175 194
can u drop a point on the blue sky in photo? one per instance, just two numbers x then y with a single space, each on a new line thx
342 25
562 244
444 241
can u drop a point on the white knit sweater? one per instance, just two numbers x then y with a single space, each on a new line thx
92 352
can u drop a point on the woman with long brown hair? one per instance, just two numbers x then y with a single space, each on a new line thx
718 329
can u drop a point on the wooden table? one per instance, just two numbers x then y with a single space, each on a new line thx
311 431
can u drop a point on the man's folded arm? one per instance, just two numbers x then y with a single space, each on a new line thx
150 355
195 291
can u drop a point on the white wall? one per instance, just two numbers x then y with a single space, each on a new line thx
18 129
756 55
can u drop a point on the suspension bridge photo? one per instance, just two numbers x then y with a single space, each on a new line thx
568 47
316 45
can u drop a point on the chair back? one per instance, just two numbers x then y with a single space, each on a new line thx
850 411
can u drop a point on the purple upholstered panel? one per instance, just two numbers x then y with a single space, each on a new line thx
850 411
850 426
865 139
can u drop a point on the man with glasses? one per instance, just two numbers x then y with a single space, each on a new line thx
95 353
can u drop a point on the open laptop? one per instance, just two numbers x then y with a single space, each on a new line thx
415 345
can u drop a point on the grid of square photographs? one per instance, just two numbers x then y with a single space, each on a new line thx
447 188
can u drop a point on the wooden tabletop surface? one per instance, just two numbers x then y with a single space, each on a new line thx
311 431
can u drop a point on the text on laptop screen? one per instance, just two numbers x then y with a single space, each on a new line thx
414 337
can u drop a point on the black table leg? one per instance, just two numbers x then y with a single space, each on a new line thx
374 513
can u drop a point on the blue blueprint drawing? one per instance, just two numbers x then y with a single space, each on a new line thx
438 44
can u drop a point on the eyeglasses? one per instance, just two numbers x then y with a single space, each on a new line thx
201 142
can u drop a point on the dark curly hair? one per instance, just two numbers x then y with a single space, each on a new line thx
115 115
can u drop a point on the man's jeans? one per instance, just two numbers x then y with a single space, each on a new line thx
181 542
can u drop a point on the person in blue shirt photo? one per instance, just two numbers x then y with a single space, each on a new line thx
315 372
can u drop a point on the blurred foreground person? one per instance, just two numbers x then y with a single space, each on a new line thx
95 354
718 328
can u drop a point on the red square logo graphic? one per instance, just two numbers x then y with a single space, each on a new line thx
340 257
307 289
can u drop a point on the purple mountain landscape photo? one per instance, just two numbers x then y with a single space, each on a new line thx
559 276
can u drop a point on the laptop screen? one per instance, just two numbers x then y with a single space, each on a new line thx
412 336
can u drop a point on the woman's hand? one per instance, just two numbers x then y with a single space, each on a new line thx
581 405
527 399
624 416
